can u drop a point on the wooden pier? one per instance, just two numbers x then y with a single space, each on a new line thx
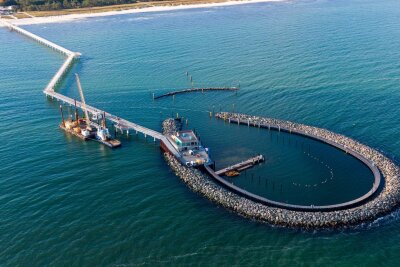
241 166
70 55
196 90
49 90
38 39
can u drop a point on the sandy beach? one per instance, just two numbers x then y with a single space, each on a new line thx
72 17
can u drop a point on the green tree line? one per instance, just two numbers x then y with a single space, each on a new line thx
39 5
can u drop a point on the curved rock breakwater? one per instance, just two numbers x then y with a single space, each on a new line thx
382 203
170 126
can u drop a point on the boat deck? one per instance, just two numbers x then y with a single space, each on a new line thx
241 166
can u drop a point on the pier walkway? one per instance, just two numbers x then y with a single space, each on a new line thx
49 90
37 38
242 165
70 56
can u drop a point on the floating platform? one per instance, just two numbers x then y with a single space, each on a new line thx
241 166
112 143
71 131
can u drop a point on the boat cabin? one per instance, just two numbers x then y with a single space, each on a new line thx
186 140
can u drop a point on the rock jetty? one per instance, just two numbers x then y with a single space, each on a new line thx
170 126
382 202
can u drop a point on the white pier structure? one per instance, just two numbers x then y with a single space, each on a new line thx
38 39
49 90
70 56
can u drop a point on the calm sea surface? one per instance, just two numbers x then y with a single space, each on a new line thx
330 64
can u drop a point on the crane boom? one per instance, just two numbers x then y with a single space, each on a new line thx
83 102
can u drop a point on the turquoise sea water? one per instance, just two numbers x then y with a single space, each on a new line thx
331 64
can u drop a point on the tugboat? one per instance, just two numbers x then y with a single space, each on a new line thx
103 135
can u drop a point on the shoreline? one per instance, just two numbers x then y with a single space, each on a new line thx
133 10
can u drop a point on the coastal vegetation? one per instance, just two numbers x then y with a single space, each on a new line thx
37 5
45 8
62 7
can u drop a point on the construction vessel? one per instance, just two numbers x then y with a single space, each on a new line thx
77 127
103 134
86 129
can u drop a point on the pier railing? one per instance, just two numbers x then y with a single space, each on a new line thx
37 38
49 90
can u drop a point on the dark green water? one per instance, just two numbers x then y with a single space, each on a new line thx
331 64
296 170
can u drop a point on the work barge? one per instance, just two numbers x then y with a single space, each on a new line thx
209 183
119 123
